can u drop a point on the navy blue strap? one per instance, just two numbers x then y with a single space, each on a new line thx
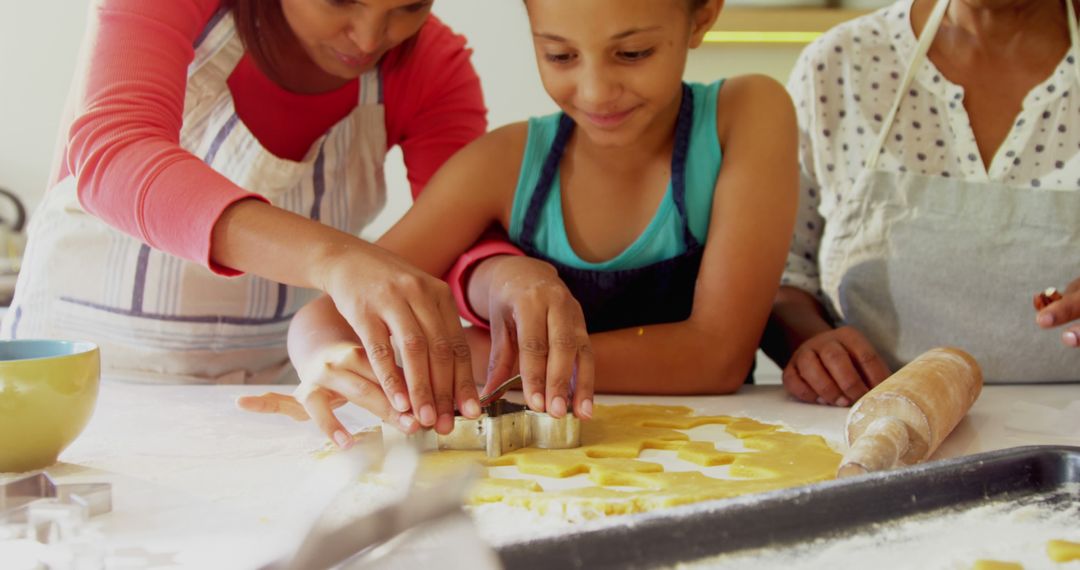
548 171
679 155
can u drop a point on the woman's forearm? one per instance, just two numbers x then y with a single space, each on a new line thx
255 237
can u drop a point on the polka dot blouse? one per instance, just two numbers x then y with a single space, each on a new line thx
843 87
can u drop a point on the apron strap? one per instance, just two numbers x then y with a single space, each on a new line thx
684 124
371 87
547 177
1074 36
925 40
680 155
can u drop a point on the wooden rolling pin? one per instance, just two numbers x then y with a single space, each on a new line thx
905 418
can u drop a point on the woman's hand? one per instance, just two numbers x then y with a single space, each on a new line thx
835 367
1062 311
537 324
389 303
384 300
338 374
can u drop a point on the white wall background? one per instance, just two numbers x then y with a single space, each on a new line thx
40 39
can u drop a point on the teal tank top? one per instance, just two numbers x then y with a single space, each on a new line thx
663 238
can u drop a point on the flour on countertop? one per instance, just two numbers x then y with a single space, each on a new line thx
1014 530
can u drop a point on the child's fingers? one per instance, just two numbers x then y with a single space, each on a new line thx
284 404
565 340
532 347
584 383
317 404
273 403
502 357
370 396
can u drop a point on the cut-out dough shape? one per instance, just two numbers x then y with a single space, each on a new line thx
1063 550
996 565
611 444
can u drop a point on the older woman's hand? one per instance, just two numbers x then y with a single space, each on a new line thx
1063 311
537 324
388 302
836 367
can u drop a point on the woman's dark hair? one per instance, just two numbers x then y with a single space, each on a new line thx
263 29
694 4
261 26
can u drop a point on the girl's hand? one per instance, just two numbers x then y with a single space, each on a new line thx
835 367
1062 310
537 323
339 374
389 303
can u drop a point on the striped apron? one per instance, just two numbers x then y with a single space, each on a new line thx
159 318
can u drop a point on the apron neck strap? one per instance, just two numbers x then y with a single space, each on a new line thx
1074 37
925 40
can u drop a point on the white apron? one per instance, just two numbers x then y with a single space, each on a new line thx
915 262
159 318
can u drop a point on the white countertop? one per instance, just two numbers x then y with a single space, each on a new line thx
198 483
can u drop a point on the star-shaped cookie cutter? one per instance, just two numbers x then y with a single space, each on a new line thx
502 427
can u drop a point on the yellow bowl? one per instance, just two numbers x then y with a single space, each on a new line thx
48 389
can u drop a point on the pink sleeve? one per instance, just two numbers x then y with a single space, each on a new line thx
434 107
123 144
493 242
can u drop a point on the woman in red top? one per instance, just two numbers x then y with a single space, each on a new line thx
220 160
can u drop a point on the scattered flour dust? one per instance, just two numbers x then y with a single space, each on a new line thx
1008 531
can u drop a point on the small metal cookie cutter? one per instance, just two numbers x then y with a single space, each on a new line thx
19 494
502 427
42 505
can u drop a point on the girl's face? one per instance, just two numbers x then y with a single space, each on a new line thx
616 66
346 38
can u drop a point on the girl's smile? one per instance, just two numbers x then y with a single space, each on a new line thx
610 121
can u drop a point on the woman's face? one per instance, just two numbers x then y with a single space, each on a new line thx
346 38
615 66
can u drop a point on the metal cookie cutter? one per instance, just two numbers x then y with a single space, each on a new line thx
41 505
501 428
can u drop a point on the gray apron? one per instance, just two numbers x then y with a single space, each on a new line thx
915 261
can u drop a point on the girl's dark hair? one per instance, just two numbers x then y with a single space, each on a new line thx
261 26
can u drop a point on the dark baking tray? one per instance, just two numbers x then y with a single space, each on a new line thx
790 516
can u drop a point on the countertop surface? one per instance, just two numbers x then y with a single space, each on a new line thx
198 483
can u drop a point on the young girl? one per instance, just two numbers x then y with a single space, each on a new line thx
665 208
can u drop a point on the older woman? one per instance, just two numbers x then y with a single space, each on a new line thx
219 160
940 152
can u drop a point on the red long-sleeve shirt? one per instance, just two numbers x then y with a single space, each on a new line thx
122 140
